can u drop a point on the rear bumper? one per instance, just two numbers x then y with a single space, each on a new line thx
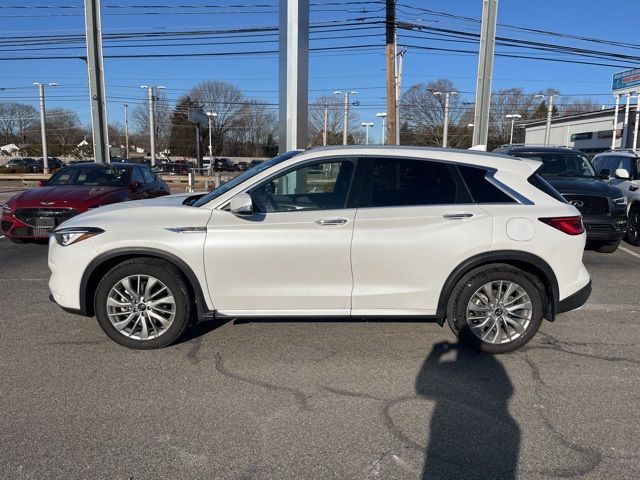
575 300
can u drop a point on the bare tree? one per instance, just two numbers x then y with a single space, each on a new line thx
334 106
224 99
161 117
424 114
254 130
64 131
509 101
572 105
16 119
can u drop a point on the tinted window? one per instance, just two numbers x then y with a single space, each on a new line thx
108 176
481 189
541 184
613 163
136 176
149 177
561 164
317 186
398 182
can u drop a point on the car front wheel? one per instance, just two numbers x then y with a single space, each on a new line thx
633 226
143 303
496 308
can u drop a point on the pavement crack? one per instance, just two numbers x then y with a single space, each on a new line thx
299 397
346 393
551 343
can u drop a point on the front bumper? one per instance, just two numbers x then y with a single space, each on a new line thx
605 228
576 300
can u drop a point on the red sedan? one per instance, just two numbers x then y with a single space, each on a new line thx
32 214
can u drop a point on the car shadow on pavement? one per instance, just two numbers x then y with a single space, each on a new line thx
471 434
199 330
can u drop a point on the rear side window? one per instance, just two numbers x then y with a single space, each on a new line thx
541 184
481 189
407 182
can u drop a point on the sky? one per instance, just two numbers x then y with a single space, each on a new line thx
348 34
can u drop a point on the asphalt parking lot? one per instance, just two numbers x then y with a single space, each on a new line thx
318 400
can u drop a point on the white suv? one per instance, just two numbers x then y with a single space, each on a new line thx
477 239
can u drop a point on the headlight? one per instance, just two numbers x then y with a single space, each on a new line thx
622 201
68 236
6 209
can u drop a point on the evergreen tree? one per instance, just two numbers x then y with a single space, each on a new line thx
182 140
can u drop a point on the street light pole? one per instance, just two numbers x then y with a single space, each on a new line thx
547 128
366 125
513 117
152 128
211 115
383 116
43 124
324 130
345 121
445 129
615 123
126 130
635 127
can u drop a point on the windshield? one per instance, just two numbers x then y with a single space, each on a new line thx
561 164
247 174
111 176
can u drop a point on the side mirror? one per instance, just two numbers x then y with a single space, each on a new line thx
42 183
604 174
241 204
622 174
134 186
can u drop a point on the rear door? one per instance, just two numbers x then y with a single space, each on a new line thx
415 223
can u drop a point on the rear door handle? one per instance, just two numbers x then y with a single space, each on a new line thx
457 215
331 221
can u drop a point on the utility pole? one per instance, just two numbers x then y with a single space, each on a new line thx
383 116
324 130
211 116
392 94
615 122
513 117
635 127
152 127
485 72
445 128
625 126
97 92
126 130
400 60
345 121
43 125
366 125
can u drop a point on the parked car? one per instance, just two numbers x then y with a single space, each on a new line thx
622 169
34 213
223 165
392 231
54 165
171 169
19 165
569 171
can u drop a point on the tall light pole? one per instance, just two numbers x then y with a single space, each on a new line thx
324 130
513 117
126 130
625 125
445 129
152 127
211 116
345 122
547 128
43 124
635 127
383 116
615 122
366 125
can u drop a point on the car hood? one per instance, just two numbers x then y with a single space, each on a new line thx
77 197
583 186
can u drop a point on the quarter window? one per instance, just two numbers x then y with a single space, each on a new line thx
318 186
406 182
136 176
148 176
481 189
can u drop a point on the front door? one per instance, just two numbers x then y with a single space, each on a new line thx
292 255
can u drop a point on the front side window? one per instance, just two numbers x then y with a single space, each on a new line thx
406 182
149 177
318 186
136 176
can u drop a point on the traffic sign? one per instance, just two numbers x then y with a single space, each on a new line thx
626 82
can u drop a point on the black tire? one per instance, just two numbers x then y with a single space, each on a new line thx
633 226
474 280
608 247
166 273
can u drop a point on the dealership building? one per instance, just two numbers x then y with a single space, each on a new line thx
590 132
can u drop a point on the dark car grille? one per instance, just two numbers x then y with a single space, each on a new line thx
44 218
588 204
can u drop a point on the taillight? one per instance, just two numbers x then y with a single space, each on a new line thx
568 225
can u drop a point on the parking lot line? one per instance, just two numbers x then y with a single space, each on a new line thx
630 252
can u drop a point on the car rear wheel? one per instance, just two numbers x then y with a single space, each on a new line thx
633 226
143 303
496 308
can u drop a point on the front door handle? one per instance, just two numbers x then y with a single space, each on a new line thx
331 221
457 215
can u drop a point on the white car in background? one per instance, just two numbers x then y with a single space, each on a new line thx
474 238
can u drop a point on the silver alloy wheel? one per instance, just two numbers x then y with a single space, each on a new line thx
141 307
499 312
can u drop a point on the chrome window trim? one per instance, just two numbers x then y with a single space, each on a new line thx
521 199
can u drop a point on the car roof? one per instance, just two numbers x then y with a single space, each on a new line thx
101 165
624 153
537 148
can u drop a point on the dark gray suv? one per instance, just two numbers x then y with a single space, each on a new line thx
602 205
